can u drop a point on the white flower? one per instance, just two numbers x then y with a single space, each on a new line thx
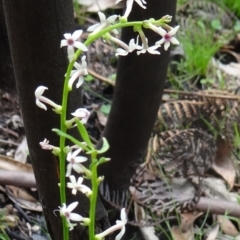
45 145
71 41
129 5
78 186
82 113
67 213
39 99
128 48
167 37
103 23
151 50
120 224
81 69
75 162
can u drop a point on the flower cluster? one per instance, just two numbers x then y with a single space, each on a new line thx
71 162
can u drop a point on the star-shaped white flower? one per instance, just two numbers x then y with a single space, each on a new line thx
120 224
128 49
167 37
129 5
75 162
103 23
82 113
78 186
67 213
39 99
71 42
81 69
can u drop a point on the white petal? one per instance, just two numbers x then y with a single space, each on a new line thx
73 78
80 159
41 105
139 2
118 1
39 91
72 206
173 30
69 170
160 42
80 45
63 43
74 191
152 50
76 152
77 168
76 35
93 27
77 66
129 5
124 216
80 82
76 217
102 17
71 52
161 31
112 19
166 45
67 35
121 52
173 40
73 179
119 236
80 180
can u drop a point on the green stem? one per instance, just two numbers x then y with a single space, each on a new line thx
62 157
93 198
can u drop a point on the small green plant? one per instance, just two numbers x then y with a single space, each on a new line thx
69 159
199 45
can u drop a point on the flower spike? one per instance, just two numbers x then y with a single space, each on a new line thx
71 42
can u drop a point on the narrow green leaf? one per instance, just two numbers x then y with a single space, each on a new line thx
84 134
105 146
69 137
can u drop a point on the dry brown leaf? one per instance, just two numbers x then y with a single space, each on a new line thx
178 235
102 118
185 231
223 164
8 163
24 199
227 226
22 151
187 220
212 234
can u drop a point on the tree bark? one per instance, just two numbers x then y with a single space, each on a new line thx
35 30
137 96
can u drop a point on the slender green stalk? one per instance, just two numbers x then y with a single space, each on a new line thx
62 146
93 198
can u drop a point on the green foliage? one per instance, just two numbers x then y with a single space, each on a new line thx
199 45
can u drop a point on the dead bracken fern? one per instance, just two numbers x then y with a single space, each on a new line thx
181 151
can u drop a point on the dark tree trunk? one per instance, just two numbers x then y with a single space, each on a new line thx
137 96
35 30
